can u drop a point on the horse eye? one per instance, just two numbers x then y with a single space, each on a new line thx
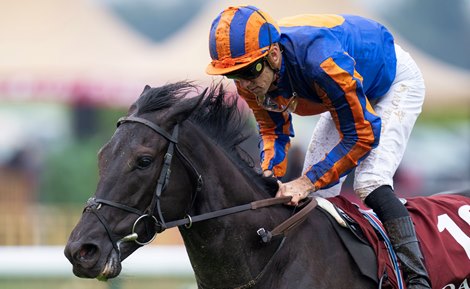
144 162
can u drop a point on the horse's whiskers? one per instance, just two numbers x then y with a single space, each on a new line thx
112 267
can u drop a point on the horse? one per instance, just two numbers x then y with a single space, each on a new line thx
176 161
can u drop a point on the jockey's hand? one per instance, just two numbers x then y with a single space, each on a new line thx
268 173
299 189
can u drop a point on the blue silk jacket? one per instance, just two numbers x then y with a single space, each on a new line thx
337 63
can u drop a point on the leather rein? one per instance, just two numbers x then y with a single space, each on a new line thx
94 204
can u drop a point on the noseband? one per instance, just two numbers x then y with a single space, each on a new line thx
94 204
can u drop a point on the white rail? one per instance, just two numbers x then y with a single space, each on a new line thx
23 261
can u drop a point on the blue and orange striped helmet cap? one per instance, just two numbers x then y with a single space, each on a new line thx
238 37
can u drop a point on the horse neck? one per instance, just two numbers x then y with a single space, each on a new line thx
226 242
226 252
223 178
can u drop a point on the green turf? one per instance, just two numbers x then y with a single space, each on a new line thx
77 283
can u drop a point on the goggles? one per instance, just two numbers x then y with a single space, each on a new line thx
271 104
250 72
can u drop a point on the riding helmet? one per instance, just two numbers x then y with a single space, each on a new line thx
239 36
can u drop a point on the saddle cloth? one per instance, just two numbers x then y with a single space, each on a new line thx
442 225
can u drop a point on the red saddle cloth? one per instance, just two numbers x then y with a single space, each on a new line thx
442 224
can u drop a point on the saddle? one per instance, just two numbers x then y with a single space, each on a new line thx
436 218
356 242
447 258
349 231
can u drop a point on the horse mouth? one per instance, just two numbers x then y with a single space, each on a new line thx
112 268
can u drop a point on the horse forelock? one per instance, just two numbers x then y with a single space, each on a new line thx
159 98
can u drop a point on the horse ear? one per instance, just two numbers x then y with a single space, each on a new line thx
133 107
147 87
185 108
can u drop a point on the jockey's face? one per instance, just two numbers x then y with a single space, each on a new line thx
260 85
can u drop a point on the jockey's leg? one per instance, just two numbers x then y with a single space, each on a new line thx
373 182
400 229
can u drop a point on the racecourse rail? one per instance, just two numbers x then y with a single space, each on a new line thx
49 261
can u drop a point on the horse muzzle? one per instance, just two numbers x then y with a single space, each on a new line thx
87 261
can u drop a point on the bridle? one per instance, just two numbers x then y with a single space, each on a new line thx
94 204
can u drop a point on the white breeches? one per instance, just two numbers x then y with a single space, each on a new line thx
398 108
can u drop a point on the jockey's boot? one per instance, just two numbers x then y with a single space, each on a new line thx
403 237
400 229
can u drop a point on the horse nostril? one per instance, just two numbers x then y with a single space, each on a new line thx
87 251
87 255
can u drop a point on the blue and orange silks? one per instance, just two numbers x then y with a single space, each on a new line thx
340 63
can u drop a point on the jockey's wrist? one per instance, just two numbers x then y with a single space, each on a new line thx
307 184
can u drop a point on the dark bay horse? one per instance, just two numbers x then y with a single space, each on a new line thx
208 173
175 161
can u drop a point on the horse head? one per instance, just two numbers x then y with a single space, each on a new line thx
133 165
147 180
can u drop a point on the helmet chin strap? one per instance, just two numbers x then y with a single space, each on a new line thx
274 69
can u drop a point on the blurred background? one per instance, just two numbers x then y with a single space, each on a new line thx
70 68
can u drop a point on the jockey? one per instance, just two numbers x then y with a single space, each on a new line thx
368 90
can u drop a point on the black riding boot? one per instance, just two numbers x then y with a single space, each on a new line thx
403 237
402 234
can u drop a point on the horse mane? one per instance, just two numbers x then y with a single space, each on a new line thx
218 116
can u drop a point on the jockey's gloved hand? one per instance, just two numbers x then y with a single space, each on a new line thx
299 189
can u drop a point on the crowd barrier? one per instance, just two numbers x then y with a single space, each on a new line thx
49 261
